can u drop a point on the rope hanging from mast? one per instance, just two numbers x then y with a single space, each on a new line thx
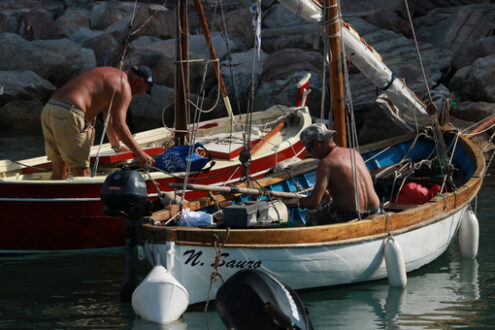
245 155
446 167
126 46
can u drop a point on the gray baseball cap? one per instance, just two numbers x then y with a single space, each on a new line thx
317 131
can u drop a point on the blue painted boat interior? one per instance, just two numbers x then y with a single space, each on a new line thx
423 149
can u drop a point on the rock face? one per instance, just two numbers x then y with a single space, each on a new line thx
477 81
46 43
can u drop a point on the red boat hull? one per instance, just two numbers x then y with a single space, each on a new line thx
61 216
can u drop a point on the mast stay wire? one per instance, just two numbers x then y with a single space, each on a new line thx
129 36
431 108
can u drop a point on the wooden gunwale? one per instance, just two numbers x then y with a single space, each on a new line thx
303 166
376 227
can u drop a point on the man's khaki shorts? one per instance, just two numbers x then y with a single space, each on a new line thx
68 135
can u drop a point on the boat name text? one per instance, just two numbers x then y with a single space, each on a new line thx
193 258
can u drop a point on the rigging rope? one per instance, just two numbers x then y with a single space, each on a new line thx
218 260
121 65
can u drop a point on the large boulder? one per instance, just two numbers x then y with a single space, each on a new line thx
473 112
239 84
378 126
39 25
223 43
453 28
22 85
150 111
283 63
21 115
304 36
158 54
162 23
106 13
278 15
476 82
238 23
285 92
72 21
55 60
472 51
29 17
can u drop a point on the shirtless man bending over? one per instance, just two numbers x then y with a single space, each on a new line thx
334 178
68 117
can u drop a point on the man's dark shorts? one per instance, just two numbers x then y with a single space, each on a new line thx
331 214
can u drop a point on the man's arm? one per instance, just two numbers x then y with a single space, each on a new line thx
319 191
113 138
120 129
320 188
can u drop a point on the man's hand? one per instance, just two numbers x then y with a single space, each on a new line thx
147 160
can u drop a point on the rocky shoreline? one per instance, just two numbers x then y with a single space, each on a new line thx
44 43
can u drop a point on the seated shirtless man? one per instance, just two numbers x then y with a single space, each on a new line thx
334 178
68 117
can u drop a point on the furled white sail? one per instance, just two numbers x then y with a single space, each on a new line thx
367 60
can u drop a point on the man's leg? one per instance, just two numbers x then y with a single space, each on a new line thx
60 171
79 171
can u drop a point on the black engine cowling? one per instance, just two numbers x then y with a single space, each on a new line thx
124 194
252 299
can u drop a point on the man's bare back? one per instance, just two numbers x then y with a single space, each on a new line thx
341 184
340 170
92 91
103 89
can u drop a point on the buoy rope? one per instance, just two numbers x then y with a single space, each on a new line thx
121 65
390 225
218 260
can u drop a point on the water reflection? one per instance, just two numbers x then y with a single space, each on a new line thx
81 290
145 325
469 286
435 296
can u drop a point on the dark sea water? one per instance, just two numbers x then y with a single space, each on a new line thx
81 290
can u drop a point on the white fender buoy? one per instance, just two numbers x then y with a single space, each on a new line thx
277 210
160 298
394 260
469 233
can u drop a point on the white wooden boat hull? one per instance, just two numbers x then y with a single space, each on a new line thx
309 266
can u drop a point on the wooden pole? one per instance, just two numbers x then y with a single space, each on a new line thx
213 55
332 17
234 189
487 122
181 73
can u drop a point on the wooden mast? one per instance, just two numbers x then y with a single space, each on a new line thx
181 73
213 55
332 18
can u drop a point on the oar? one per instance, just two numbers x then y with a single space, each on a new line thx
234 189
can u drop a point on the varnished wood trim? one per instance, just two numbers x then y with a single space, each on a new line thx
435 210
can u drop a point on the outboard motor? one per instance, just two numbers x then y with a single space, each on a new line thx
125 195
252 299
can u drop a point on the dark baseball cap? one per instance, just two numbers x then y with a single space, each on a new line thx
144 72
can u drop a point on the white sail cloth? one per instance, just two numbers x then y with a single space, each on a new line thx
409 106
